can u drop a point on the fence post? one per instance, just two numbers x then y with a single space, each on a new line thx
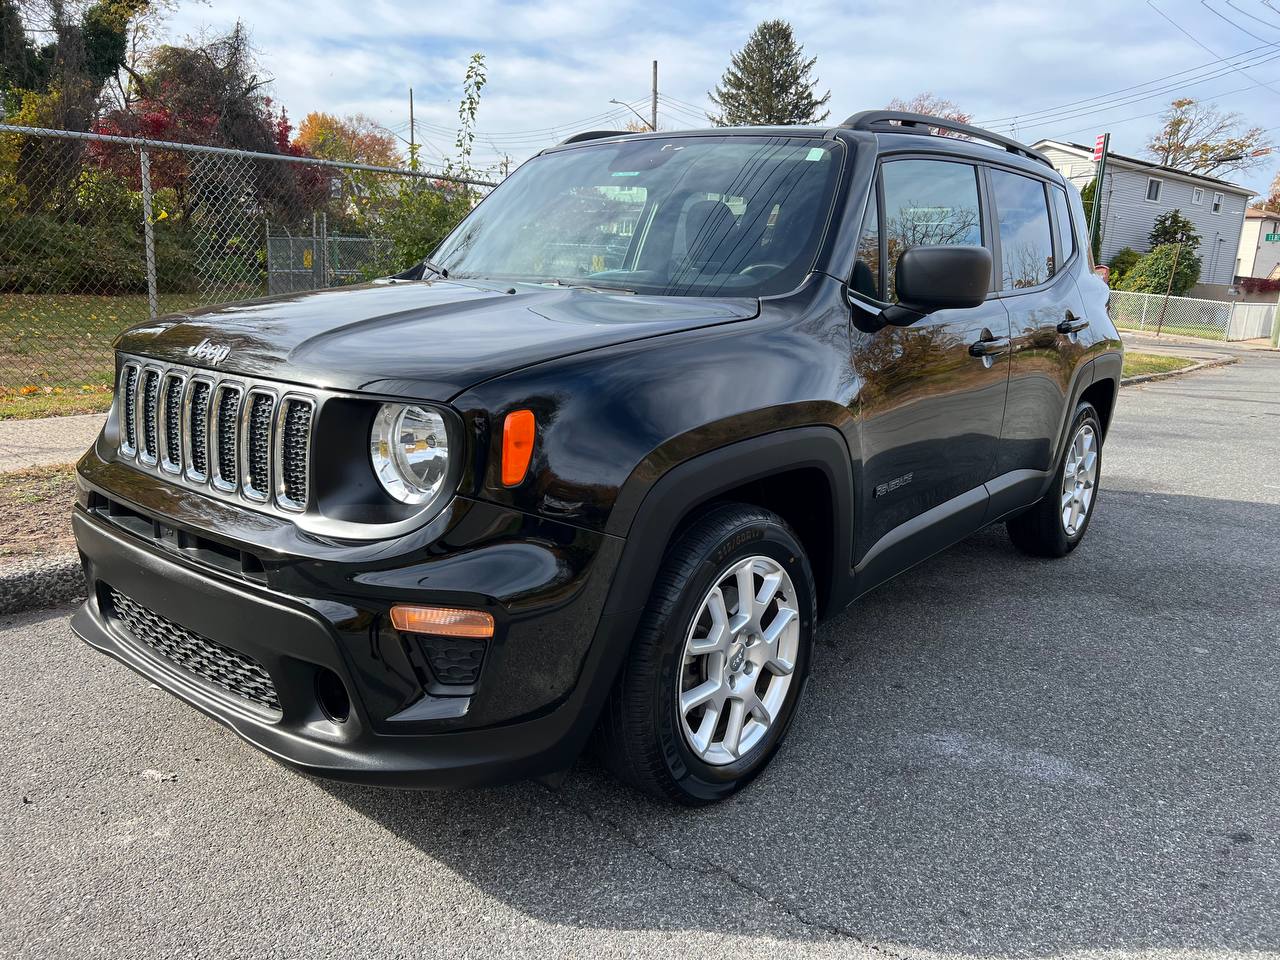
148 233
1142 324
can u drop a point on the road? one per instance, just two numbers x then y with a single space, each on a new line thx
998 757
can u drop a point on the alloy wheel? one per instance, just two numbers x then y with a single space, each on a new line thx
739 660
1079 478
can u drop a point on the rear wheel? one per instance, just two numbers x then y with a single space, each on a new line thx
719 660
1058 521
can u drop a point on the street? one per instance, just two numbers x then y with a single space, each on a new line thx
996 757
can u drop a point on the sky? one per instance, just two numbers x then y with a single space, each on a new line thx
1035 69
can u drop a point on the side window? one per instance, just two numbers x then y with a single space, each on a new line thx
1026 239
1066 232
927 203
866 268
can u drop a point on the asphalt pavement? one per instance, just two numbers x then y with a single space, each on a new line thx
997 757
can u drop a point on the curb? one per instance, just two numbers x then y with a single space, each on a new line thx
1202 365
32 582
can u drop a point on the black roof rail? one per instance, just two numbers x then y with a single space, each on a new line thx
592 135
897 121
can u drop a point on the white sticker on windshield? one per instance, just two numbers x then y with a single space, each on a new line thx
816 153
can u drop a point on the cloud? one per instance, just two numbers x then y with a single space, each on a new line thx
554 65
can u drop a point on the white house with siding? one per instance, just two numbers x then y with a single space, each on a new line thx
1259 254
1138 191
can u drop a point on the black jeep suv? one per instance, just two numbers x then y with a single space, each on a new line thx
654 407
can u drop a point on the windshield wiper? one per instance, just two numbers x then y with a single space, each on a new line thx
435 268
581 285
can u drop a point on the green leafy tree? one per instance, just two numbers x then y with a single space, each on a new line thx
1151 273
1173 227
769 82
1126 259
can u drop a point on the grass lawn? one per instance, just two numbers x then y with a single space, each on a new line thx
35 511
1138 364
65 339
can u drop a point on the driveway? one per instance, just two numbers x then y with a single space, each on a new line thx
997 757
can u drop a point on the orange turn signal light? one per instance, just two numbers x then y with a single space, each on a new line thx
517 446
443 621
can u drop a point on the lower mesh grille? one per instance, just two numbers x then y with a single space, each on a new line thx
228 669
453 660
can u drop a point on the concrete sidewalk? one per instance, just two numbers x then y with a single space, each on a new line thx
46 442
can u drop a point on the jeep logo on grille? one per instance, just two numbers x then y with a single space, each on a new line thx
208 351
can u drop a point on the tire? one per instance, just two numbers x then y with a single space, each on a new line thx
1049 529
644 737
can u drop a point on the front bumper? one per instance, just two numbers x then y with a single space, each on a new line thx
537 697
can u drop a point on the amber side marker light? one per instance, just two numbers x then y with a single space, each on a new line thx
443 621
517 445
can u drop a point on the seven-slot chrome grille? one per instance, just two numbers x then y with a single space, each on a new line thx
243 438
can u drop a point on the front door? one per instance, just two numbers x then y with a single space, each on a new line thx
932 395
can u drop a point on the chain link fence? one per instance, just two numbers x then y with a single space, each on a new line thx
1188 316
99 233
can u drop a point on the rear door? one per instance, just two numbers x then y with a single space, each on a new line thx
932 395
1037 253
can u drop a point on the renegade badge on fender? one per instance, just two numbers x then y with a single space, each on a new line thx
656 405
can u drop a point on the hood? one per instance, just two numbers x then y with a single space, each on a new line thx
424 339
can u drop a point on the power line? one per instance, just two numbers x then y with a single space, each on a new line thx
1106 102
1034 121
1202 46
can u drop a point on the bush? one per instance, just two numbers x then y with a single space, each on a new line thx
1151 273
1124 261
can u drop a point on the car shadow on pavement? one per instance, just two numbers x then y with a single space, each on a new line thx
996 756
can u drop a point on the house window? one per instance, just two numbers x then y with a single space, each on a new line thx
1197 195
1153 189
1217 203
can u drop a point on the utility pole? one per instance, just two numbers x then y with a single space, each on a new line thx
1169 289
413 154
653 121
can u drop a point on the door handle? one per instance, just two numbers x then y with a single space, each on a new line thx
991 347
1072 323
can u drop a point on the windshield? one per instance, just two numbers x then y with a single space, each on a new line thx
690 216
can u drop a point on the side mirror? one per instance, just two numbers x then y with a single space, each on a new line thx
938 278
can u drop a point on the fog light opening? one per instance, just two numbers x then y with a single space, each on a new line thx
331 694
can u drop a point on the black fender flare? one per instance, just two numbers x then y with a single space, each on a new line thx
650 520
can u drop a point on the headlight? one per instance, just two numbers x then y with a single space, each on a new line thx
409 446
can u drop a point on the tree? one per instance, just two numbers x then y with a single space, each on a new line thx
1199 138
353 139
1126 259
768 82
1173 227
931 106
1151 273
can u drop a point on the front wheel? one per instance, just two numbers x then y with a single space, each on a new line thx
718 662
1057 523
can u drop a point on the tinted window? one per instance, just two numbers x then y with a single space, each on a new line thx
928 203
1026 240
866 269
1066 232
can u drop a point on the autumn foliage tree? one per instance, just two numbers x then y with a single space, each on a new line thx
931 106
1199 138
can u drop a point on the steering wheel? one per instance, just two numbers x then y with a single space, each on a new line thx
769 266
